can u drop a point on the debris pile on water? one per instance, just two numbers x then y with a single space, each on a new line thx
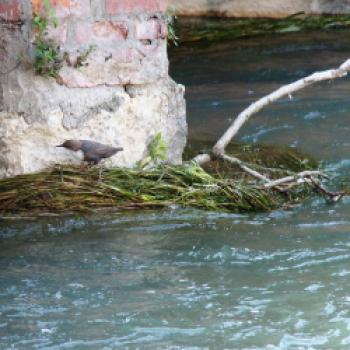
219 186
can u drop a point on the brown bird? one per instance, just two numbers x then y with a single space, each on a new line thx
93 151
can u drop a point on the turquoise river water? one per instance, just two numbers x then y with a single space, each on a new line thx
190 279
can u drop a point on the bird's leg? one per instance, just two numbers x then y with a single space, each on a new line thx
61 173
84 166
100 169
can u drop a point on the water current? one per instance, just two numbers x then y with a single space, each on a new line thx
190 279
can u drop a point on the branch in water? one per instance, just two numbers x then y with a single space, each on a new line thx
286 90
333 196
245 168
286 183
297 178
201 159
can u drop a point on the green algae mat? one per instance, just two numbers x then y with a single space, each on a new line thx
190 29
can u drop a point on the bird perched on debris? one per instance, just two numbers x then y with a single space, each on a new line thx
93 151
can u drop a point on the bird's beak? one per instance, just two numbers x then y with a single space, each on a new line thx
60 145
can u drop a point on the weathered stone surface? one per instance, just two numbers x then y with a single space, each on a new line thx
10 10
128 40
101 32
130 119
150 30
142 64
124 52
58 34
119 93
64 8
12 40
115 7
34 97
261 8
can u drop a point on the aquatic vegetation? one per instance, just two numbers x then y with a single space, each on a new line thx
213 29
70 188
274 160
285 183
218 179
157 152
170 19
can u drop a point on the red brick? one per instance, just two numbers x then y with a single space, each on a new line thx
64 8
79 8
150 30
60 7
36 6
114 7
74 78
110 29
10 10
101 31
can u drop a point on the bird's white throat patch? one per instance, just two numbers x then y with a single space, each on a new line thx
79 154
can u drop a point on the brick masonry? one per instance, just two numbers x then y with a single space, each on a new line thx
120 95
128 38
10 10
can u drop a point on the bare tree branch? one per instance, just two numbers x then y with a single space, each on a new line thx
245 168
202 158
243 117
333 196
286 183
297 178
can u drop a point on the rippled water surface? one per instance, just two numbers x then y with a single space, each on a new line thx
223 78
187 279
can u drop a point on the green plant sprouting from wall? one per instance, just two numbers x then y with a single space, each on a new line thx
158 148
82 58
47 57
47 60
157 151
170 20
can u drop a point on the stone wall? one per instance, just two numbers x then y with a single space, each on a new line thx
258 8
121 95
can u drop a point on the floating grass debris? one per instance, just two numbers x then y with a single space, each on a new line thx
274 161
67 188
